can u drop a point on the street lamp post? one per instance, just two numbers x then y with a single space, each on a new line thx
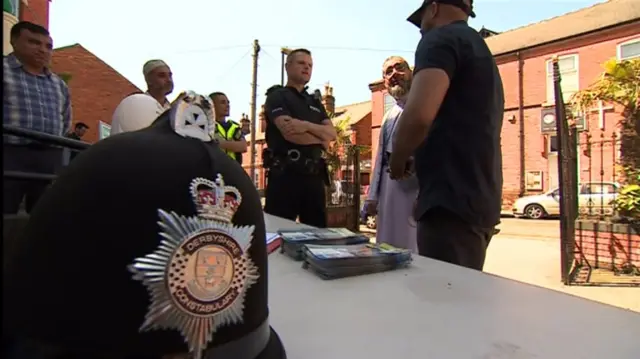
284 52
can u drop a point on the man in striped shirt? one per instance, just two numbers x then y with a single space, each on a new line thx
33 99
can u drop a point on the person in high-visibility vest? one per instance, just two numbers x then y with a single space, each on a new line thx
229 134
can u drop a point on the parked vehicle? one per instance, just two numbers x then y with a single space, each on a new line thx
367 220
594 198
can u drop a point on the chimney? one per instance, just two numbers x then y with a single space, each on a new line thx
328 100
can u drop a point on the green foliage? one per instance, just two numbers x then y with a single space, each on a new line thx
620 85
66 77
627 203
342 148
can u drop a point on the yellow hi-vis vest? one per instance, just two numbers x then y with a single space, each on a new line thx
228 135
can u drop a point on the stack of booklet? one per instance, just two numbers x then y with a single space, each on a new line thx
273 242
339 261
293 241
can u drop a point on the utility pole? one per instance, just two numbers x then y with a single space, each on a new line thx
254 95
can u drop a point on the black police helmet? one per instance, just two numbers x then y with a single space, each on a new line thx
134 230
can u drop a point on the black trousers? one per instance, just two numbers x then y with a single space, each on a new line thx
290 194
444 236
33 159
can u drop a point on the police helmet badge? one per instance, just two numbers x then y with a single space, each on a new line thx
193 116
198 276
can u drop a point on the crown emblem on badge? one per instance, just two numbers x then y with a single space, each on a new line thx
214 200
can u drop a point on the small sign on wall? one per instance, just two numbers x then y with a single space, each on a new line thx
104 130
548 119
534 181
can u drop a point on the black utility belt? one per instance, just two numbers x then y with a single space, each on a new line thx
295 160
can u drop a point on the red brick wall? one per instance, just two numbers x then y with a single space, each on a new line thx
361 136
607 245
36 12
246 162
96 88
592 50
377 113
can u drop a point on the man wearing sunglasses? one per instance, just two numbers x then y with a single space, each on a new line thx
451 123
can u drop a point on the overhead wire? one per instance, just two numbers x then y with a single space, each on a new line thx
227 72
312 47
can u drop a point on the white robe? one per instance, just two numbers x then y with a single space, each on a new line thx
395 223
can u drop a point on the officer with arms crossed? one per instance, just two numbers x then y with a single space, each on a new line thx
452 120
298 129
229 133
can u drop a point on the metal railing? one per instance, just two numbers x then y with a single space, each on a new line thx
67 144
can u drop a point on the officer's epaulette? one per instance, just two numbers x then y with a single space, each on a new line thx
273 88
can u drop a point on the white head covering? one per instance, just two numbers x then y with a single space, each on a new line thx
152 65
135 112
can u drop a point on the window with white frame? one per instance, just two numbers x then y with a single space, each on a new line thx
389 102
629 50
569 77
104 130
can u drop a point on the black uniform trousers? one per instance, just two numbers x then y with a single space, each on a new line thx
445 236
33 158
291 194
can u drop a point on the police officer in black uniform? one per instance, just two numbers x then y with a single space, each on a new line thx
298 130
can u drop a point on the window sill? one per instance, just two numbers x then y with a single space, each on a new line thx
552 104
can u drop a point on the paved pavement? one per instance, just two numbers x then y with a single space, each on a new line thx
537 262
530 228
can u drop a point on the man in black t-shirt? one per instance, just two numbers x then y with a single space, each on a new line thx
451 123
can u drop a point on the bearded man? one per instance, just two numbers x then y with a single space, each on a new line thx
393 200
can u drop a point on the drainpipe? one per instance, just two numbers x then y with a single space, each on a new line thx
521 121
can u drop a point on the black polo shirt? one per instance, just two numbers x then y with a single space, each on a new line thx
459 166
289 101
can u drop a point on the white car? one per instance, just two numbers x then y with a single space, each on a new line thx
594 198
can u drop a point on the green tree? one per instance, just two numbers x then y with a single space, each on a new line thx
342 148
66 77
620 85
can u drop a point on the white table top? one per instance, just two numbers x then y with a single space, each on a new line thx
440 311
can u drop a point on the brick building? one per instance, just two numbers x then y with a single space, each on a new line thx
96 88
359 115
583 40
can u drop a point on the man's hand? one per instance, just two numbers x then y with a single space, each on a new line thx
400 168
371 207
294 126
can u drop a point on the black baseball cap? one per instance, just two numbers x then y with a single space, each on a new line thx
416 17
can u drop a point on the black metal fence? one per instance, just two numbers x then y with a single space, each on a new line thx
595 249
598 163
13 224
607 253
568 178
344 193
